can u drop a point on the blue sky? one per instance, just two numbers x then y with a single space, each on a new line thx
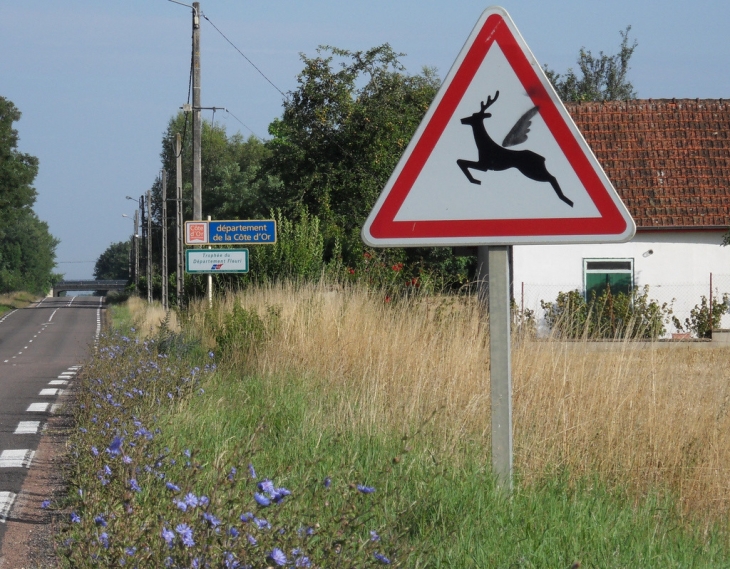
97 81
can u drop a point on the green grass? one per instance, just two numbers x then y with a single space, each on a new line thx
445 510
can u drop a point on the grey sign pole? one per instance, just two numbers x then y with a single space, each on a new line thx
500 358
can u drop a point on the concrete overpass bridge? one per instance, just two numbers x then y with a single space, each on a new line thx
89 285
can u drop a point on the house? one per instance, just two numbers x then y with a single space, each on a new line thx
669 160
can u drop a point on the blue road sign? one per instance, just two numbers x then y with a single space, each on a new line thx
231 232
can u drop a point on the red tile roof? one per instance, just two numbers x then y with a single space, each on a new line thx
668 159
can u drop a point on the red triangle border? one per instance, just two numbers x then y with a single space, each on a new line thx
496 29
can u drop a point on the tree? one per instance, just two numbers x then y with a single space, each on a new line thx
602 77
113 263
342 132
27 249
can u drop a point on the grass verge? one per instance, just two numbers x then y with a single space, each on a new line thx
168 444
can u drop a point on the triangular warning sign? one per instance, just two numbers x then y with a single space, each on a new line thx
497 160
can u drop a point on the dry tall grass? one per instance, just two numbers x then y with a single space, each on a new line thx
149 317
637 413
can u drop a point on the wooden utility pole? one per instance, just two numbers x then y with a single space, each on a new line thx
149 246
164 240
197 118
180 282
136 251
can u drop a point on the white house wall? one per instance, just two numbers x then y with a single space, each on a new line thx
675 265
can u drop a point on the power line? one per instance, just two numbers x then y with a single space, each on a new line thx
239 120
246 58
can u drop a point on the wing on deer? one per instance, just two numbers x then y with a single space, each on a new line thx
519 131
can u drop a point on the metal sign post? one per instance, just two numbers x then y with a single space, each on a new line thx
500 364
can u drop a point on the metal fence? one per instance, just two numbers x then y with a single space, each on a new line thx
680 297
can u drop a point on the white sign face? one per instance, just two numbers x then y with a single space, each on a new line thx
216 260
497 160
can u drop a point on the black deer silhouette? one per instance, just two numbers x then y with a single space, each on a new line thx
492 156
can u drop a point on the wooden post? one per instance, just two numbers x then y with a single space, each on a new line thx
164 240
180 226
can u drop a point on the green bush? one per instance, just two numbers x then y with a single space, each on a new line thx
607 316
699 317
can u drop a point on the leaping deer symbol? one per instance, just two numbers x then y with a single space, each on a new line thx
492 156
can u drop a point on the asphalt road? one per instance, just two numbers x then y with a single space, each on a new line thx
41 350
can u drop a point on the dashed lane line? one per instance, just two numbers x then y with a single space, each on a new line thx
16 458
6 503
58 382
28 428
37 408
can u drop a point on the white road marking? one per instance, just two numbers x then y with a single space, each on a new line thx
37 408
58 382
27 428
48 392
52 314
6 503
16 458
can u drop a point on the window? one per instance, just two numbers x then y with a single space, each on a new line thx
599 274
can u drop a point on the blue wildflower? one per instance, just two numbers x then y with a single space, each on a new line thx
233 532
262 523
302 561
191 500
104 539
251 539
266 486
94 451
172 487
115 447
100 521
261 500
186 534
130 551
374 535
232 473
279 494
75 518
365 489
211 519
168 536
45 504
247 517
382 558
327 482
251 471
134 486
180 505
278 557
